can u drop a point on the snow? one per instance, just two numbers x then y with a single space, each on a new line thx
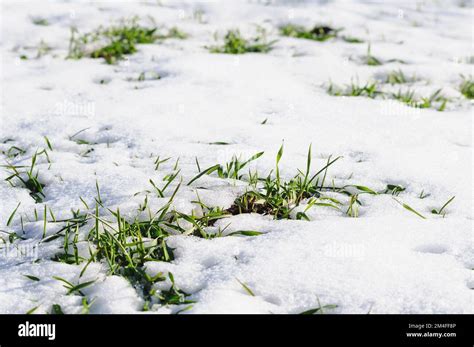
386 261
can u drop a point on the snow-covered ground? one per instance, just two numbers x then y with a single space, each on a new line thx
388 260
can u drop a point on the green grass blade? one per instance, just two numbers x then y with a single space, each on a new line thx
12 214
409 208
247 289
208 171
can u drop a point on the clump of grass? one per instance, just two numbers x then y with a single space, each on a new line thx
408 96
174 295
197 224
28 178
235 43
436 100
131 32
123 40
369 59
116 41
122 244
280 198
369 89
114 51
393 189
231 169
56 309
40 21
126 246
396 77
467 87
200 219
271 195
317 33
173 33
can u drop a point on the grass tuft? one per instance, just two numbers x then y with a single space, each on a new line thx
28 178
270 195
174 295
40 21
372 90
396 77
393 189
467 87
56 309
317 33
231 169
235 43
440 211
116 41
369 89
369 59
173 33
436 100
